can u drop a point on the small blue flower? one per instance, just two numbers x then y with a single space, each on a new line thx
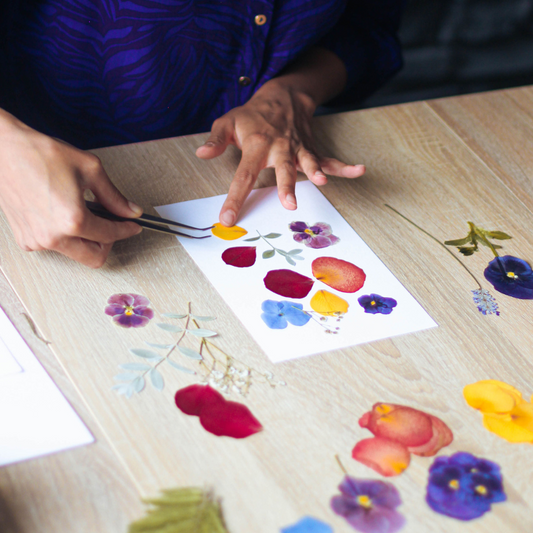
276 315
511 276
308 525
464 486
485 302
374 303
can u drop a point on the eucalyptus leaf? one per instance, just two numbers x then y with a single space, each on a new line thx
157 379
138 384
169 327
202 332
159 346
272 236
179 367
203 318
129 392
295 251
135 366
146 354
290 260
267 254
120 388
298 257
190 353
252 239
126 376
173 315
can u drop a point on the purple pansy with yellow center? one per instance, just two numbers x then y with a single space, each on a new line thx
511 276
317 236
369 505
464 486
129 310
374 303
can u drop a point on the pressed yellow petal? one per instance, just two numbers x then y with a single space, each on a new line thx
505 427
328 304
522 415
492 396
228 234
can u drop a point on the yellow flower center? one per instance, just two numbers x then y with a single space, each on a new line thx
372 302
129 310
512 275
309 232
364 501
474 470
454 484
481 489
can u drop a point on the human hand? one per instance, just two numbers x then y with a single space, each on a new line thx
273 130
42 182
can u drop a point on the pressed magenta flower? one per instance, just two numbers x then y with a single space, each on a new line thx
129 310
316 236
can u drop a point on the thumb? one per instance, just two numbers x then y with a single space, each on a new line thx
109 196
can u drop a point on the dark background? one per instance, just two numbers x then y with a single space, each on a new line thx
456 47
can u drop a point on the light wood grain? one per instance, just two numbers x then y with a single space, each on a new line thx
416 163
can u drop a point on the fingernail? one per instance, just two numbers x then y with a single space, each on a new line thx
319 174
227 217
209 143
291 199
136 209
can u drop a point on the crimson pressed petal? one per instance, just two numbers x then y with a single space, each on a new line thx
406 425
191 400
288 283
387 457
442 436
240 256
229 419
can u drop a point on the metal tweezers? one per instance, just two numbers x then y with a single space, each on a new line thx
147 221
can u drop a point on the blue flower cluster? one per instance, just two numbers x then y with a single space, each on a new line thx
277 315
464 486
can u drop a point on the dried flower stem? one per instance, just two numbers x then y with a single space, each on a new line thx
341 466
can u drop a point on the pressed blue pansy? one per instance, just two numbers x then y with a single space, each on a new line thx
308 524
511 276
464 486
318 235
276 315
374 303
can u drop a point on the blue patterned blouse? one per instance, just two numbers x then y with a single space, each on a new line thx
106 72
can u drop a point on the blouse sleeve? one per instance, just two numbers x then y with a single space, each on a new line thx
365 38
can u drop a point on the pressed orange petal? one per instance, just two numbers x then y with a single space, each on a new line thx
328 304
506 428
228 234
522 415
338 274
442 436
491 396
387 457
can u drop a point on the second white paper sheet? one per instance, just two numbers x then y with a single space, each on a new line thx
244 290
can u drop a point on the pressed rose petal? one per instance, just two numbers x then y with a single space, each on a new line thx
240 256
229 419
408 426
442 436
228 234
338 274
387 457
288 283
123 300
192 399
491 396
327 304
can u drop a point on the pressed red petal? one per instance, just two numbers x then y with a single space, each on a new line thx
442 436
229 419
288 283
240 256
191 400
387 457
406 425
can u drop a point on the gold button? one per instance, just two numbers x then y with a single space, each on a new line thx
260 19
244 81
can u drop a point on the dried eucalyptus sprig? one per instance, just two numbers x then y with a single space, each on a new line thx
185 510
476 236
267 254
483 299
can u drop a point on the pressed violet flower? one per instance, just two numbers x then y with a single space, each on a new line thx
308 524
277 315
369 505
374 303
317 236
511 276
464 486
485 302
129 310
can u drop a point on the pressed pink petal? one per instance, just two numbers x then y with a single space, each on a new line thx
191 400
114 309
121 299
333 239
322 228
301 237
142 310
442 436
387 457
408 426
318 242
230 419
131 321
139 300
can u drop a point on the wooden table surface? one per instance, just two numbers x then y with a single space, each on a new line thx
441 163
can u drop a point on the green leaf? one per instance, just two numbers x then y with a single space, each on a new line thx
252 239
267 254
299 257
180 368
203 318
169 327
290 260
173 315
126 376
120 388
465 250
458 242
146 354
135 366
500 235
296 251
160 346
202 332
138 384
272 236
157 379
129 392
190 353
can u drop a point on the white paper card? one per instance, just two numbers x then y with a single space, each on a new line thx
8 365
35 417
244 290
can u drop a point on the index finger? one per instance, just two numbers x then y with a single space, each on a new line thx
101 230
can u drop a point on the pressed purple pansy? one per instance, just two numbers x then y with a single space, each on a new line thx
316 236
129 310
369 505
374 303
